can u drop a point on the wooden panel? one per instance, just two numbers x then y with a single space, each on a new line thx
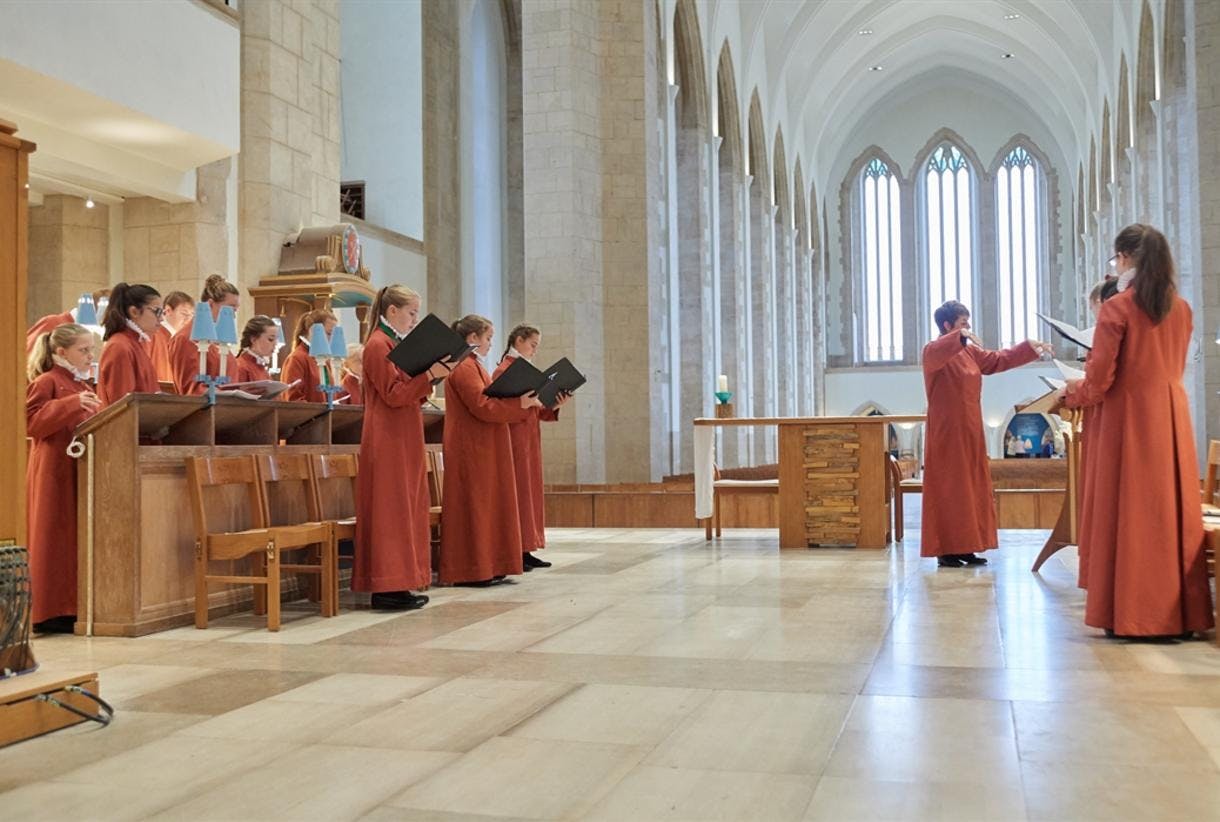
792 533
873 500
14 236
22 716
832 476
569 510
629 510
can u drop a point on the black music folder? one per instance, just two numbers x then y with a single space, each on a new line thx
428 343
1083 337
522 378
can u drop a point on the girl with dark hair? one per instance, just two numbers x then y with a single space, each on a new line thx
57 400
184 352
300 366
259 340
526 437
129 322
1141 528
481 540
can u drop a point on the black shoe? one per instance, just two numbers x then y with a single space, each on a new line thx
530 561
398 601
972 559
56 625
950 561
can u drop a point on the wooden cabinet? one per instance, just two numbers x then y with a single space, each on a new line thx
14 172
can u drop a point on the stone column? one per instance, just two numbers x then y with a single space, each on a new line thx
442 162
68 254
590 172
288 169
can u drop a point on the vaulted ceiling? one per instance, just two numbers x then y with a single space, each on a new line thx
818 57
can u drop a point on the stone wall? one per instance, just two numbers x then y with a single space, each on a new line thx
442 161
68 254
289 162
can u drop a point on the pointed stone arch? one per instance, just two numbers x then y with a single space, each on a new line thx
784 297
1106 160
757 140
1093 198
941 137
1146 196
1173 47
728 113
689 74
779 184
800 214
1122 114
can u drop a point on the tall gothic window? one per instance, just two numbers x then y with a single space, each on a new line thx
949 237
881 216
1018 220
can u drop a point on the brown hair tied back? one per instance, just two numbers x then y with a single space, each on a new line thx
215 287
1155 284
123 297
255 328
307 321
521 332
391 295
62 336
176 298
471 324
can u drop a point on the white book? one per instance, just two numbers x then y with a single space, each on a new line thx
1053 383
1082 337
1069 372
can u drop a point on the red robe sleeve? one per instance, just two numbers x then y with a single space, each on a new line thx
1103 359
116 373
45 415
395 388
184 363
936 354
468 387
993 362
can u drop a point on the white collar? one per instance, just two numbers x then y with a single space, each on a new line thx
168 328
1124 279
79 376
302 339
263 361
392 329
140 331
515 354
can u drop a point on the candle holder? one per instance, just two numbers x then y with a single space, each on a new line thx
212 383
724 408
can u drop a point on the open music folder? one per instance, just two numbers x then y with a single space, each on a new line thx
428 343
523 378
1082 337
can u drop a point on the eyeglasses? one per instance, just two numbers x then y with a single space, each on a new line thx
1114 261
157 312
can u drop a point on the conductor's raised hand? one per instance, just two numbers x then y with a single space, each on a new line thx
530 401
969 337
1044 349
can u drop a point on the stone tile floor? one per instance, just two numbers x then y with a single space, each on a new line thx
651 675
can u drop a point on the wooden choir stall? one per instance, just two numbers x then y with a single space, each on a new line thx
832 477
136 535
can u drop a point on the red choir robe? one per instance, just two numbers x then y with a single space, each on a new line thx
184 359
300 366
481 527
393 539
526 437
353 389
43 325
1088 422
958 504
125 368
52 412
158 350
1141 526
249 369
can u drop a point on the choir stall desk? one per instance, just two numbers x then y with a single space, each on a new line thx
136 536
832 476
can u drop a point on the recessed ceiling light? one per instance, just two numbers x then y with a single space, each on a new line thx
1012 16
89 203
875 68
1008 55
864 32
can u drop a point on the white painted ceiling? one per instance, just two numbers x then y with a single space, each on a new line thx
817 63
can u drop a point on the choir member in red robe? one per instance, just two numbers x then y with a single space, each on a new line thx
57 400
481 526
178 310
353 372
50 322
1141 525
300 367
393 538
958 508
526 436
184 353
1101 292
133 315
259 339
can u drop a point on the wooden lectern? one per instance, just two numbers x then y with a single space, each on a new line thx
1064 533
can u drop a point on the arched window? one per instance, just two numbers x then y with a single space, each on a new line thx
949 228
881 216
1019 221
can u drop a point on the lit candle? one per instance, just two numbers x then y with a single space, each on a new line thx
722 383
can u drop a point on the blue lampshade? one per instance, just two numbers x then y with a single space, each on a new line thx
203 329
86 312
226 326
338 342
279 330
319 346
